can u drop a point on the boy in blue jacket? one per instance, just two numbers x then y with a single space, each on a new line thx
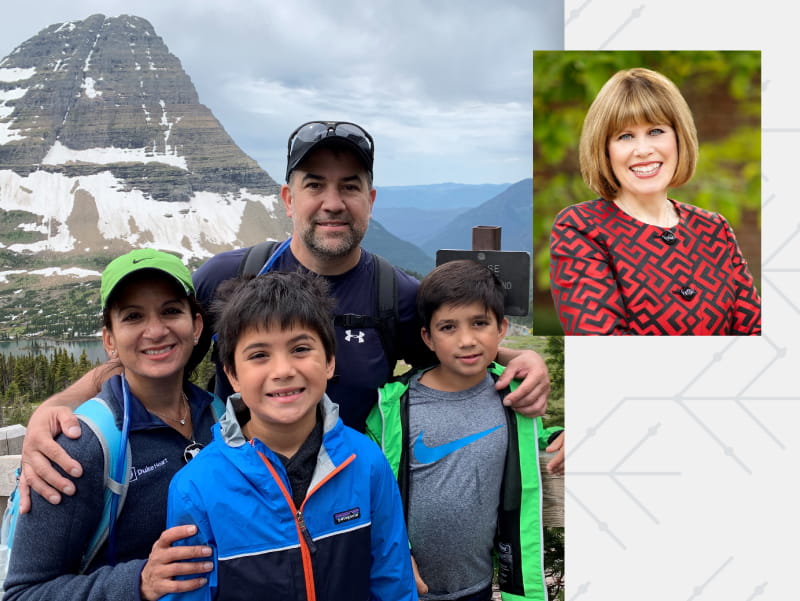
467 466
295 504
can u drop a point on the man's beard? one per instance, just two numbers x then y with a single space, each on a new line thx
332 247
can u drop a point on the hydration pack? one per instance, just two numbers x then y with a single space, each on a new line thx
99 417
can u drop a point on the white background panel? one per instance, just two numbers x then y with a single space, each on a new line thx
684 453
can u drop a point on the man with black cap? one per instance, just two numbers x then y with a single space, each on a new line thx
329 196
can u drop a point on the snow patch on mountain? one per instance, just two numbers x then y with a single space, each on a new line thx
100 206
69 26
4 275
76 272
6 133
88 87
13 74
61 155
6 95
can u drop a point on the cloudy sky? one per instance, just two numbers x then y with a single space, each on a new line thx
444 88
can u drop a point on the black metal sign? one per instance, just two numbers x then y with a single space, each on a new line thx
512 268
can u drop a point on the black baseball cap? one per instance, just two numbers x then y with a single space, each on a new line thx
317 134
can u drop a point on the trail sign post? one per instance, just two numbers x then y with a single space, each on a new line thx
512 268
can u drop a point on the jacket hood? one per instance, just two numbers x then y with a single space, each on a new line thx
237 413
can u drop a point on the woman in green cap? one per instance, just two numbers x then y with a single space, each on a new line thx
106 541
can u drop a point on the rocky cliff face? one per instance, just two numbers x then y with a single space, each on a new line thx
98 119
111 83
105 147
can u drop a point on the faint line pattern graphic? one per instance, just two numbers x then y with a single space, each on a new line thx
734 403
635 14
698 590
576 12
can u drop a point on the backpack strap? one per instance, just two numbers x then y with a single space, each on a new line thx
386 317
96 414
255 257
9 524
217 407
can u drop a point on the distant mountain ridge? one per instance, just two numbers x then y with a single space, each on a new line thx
431 228
414 225
511 210
398 251
445 196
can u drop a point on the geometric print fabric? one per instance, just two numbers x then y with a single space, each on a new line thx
613 274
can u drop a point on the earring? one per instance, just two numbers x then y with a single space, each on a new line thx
113 353
195 341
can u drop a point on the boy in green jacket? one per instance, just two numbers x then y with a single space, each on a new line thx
467 466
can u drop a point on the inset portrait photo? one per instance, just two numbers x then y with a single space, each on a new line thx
647 192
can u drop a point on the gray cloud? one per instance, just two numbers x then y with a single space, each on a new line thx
443 87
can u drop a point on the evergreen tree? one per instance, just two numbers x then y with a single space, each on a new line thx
554 357
3 374
22 371
82 366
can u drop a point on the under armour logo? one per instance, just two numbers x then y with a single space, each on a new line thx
349 336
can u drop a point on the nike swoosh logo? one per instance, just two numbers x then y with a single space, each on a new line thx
425 454
135 261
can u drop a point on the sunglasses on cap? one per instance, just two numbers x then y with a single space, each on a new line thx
306 137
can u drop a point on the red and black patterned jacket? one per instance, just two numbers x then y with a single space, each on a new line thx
613 274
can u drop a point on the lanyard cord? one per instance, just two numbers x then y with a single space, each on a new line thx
274 256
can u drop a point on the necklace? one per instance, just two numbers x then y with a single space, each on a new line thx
182 419
666 218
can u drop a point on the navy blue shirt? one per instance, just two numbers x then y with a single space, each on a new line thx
361 365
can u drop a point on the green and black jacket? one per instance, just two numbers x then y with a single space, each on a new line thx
518 544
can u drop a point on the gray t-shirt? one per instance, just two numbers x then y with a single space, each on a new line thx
457 451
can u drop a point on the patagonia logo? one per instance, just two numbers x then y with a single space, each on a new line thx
346 516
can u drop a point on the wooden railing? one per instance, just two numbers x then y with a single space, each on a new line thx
552 495
11 438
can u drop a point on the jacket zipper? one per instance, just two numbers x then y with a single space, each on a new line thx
301 526
307 545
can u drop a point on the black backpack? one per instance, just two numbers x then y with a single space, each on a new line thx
386 317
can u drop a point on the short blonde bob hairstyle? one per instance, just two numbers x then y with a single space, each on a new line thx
634 97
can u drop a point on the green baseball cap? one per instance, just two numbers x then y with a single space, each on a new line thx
143 258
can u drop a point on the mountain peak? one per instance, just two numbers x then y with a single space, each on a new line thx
104 146
107 83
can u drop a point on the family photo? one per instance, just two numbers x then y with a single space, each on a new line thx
298 301
280 392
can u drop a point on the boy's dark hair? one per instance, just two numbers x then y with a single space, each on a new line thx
460 283
274 299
